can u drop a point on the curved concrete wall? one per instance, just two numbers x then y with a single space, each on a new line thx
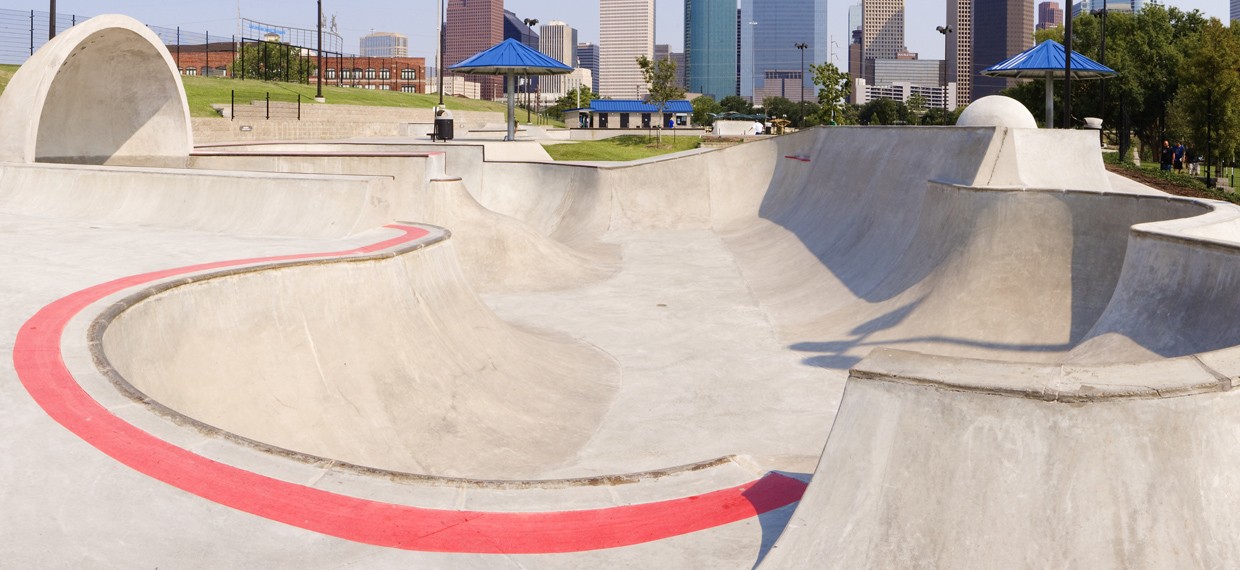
106 91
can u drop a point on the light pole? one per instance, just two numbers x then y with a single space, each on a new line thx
440 16
52 24
1102 58
529 23
943 78
801 108
1067 69
318 90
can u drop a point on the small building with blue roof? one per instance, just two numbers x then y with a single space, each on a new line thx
629 114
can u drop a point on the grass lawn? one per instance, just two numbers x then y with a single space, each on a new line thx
6 73
202 92
626 147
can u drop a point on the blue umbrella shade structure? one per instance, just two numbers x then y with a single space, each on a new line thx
510 58
1046 61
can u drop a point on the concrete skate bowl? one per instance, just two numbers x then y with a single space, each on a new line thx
114 98
395 364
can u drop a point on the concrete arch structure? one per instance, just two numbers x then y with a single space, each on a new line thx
106 91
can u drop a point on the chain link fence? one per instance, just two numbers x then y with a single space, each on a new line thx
264 52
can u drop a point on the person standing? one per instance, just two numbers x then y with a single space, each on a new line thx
1178 160
1166 156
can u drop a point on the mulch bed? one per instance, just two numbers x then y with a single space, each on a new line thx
1160 183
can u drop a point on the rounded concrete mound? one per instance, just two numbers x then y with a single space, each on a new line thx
997 111
106 91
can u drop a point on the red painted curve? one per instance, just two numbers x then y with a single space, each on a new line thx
41 369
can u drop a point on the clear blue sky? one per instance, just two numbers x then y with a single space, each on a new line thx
416 19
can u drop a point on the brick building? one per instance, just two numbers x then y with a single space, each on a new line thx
405 74
210 59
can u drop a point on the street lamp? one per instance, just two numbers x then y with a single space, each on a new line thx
52 24
439 15
529 23
1102 58
801 46
1067 70
318 91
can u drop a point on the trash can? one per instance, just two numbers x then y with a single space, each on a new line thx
443 129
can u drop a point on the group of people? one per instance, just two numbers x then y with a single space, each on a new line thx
1173 157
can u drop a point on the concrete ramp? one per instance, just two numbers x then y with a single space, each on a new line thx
938 462
389 363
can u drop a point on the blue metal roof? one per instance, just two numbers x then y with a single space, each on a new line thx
1037 61
638 106
510 56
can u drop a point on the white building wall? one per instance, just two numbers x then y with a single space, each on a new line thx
626 31
558 41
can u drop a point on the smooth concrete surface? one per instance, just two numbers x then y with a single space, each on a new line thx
372 354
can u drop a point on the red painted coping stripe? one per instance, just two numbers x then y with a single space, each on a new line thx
41 369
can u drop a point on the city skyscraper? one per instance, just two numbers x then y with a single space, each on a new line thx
710 47
1235 9
1085 6
559 41
587 58
516 29
384 44
855 34
664 51
882 32
1001 29
626 31
770 30
473 26
958 51
1050 15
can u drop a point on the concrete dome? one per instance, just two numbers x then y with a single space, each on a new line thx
997 111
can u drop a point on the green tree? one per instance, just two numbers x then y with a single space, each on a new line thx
660 77
797 113
916 106
736 104
570 100
1206 108
940 116
881 112
703 108
834 87
1147 49
270 61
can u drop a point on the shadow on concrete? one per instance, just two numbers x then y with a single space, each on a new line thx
773 522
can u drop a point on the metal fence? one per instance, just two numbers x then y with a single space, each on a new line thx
22 32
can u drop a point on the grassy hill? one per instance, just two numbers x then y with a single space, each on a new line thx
202 92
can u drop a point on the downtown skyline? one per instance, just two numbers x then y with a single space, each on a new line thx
360 17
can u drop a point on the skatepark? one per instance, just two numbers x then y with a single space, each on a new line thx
955 347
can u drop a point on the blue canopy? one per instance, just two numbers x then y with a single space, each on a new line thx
1045 61
1037 61
511 57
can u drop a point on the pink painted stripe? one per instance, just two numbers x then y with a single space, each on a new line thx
37 358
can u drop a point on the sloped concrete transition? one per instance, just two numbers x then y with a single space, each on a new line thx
992 358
